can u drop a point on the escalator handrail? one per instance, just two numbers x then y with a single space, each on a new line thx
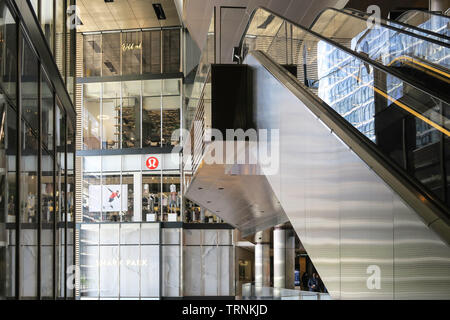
434 69
432 13
399 75
432 33
411 34
409 189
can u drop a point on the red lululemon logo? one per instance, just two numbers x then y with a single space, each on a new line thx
152 163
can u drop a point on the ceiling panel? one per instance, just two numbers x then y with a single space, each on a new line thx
97 15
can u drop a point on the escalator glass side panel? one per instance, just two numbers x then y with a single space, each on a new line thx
379 42
407 124
427 21
416 29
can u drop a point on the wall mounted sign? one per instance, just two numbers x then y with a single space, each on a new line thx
152 163
131 46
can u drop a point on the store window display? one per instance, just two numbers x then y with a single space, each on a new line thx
131 114
124 189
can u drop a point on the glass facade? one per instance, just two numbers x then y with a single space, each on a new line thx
131 52
60 36
131 114
123 188
34 153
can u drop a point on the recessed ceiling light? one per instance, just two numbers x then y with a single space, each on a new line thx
159 11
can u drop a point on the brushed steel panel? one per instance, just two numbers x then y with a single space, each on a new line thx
355 228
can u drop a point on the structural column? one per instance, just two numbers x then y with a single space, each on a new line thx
262 261
283 257
202 214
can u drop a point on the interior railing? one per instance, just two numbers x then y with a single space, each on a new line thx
435 30
380 42
431 21
252 291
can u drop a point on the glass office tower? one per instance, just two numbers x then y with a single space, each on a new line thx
37 148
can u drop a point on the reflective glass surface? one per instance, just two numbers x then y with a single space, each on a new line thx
427 20
407 124
378 41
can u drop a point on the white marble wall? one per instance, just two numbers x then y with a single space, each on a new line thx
208 264
127 263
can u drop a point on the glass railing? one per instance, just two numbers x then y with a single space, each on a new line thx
408 123
426 20
379 42
197 99
194 89
431 32
250 291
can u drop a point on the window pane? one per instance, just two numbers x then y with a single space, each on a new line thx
131 106
47 23
59 36
111 115
171 190
8 53
151 51
8 145
91 108
112 198
171 119
92 197
111 54
28 212
151 192
92 55
89 261
47 114
128 212
151 113
30 86
131 52
70 172
171 43
60 201
47 210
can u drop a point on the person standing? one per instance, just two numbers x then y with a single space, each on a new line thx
304 282
313 283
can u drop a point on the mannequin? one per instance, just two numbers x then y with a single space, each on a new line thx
173 197
31 206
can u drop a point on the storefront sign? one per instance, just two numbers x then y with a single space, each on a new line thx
152 163
131 46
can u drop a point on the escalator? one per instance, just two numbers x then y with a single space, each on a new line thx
383 42
363 161
425 20
428 25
